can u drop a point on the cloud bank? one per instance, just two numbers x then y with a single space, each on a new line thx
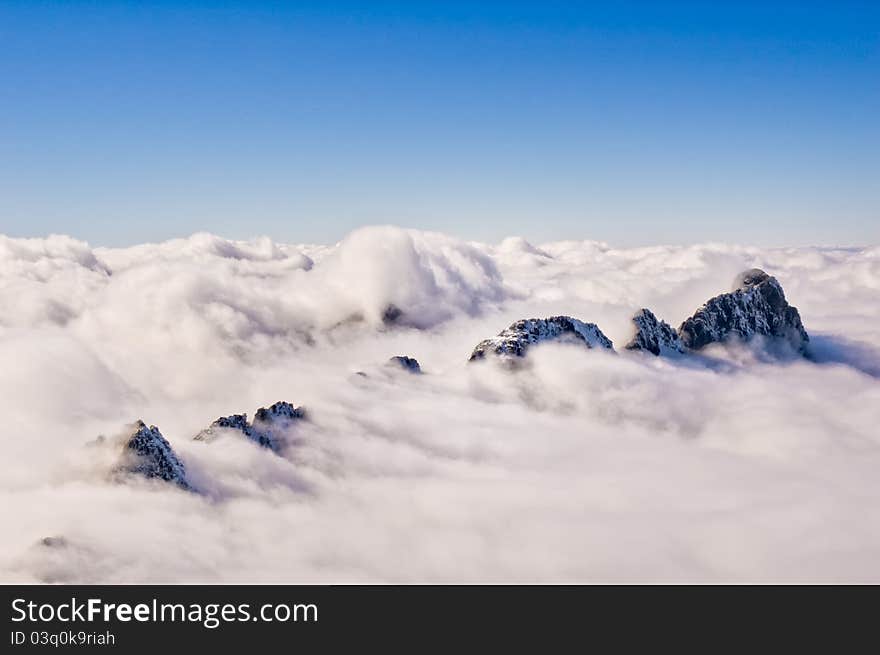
582 465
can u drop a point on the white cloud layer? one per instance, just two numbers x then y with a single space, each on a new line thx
581 466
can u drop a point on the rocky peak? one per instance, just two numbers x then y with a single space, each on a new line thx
148 453
278 412
756 306
410 364
515 340
653 335
270 424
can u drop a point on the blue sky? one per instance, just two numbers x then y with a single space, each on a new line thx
634 123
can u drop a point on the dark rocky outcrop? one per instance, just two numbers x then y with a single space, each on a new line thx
515 340
653 335
278 412
410 364
147 453
268 429
235 421
756 307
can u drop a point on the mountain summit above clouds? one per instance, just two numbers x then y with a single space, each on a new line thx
653 335
268 429
149 454
515 340
756 307
407 363
214 329
145 452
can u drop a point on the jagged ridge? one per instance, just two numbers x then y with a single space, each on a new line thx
515 340
267 429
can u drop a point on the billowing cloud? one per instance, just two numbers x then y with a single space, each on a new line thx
579 466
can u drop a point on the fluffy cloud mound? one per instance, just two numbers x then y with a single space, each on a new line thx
44 282
581 465
387 275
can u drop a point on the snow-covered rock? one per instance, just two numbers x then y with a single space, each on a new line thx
653 335
410 364
515 340
268 429
756 306
277 413
146 452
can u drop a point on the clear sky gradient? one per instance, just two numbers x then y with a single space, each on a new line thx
634 123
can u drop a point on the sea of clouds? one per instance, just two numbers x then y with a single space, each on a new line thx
580 466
